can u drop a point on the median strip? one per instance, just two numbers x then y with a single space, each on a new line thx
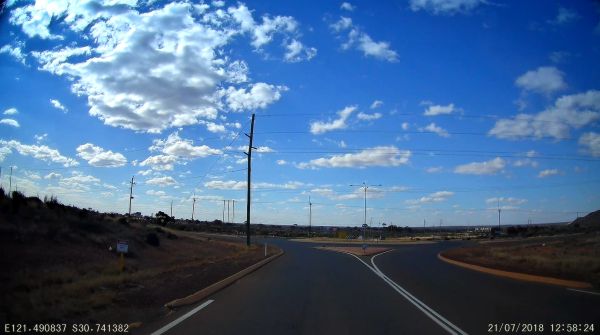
518 275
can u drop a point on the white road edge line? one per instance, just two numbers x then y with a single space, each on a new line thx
583 291
181 318
458 330
441 321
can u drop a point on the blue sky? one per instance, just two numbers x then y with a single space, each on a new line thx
452 106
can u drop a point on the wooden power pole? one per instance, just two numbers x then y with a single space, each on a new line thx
249 154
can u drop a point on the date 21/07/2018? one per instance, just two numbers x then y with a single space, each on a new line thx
559 328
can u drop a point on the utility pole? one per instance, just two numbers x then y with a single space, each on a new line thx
228 211
193 206
10 182
499 210
224 211
233 211
249 154
365 187
171 208
131 193
309 217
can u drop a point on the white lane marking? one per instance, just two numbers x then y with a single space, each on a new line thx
448 326
180 319
415 300
583 291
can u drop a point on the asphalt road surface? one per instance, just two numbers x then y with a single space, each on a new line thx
405 291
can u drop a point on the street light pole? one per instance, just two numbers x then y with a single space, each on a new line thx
365 187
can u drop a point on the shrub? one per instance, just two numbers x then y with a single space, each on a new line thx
152 239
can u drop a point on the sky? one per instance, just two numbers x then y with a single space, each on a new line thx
446 109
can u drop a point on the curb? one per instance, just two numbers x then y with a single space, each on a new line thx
205 292
518 275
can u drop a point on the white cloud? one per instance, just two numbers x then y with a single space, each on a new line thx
405 126
11 111
369 117
320 127
10 122
15 51
176 146
506 200
156 193
347 6
433 128
260 95
434 169
569 111
161 181
482 168
363 42
40 152
225 185
545 80
433 110
281 162
79 181
525 162
169 66
99 157
53 175
58 105
590 143
548 173
39 138
563 16
431 198
160 162
376 104
296 52
377 156
446 7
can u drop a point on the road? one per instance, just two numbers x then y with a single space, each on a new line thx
310 291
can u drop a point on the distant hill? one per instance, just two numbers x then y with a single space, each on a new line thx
591 220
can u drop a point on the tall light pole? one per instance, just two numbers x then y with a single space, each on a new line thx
365 187
309 216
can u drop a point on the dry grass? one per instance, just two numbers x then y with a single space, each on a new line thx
575 257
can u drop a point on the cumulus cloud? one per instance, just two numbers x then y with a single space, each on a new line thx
369 117
431 198
358 39
590 143
320 127
168 66
545 80
160 162
434 169
347 6
53 175
174 145
14 51
296 52
446 7
11 111
161 181
376 104
482 168
433 128
58 105
433 110
10 122
378 156
99 157
41 152
259 95
548 173
568 112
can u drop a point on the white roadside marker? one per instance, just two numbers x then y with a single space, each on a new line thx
181 318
